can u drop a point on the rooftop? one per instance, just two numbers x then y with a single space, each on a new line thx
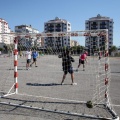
57 20
99 17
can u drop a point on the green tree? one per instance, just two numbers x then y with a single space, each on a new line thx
77 49
113 48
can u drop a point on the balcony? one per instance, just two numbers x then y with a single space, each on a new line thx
102 27
50 30
94 24
50 25
93 28
58 30
103 23
58 25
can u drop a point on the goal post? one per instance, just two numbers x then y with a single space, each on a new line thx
90 98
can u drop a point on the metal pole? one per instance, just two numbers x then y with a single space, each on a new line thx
15 65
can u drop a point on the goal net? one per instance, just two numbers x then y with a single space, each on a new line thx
52 80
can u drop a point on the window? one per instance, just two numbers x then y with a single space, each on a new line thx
94 23
68 24
103 22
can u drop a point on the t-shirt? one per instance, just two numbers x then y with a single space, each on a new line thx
28 54
83 56
35 54
66 61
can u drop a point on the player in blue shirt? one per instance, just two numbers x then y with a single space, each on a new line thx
34 56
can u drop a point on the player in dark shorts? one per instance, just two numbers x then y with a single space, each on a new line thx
82 60
34 55
67 66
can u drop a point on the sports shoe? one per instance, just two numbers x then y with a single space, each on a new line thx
62 83
36 66
73 83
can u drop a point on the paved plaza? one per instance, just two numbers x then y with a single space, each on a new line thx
45 80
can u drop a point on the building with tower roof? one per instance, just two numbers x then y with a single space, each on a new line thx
57 25
95 23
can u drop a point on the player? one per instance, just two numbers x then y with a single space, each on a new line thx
34 56
67 66
82 60
28 56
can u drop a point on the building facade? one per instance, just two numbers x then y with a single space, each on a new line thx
29 41
57 25
25 29
95 23
4 28
74 43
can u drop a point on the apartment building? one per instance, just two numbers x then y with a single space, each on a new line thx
4 28
30 41
95 23
74 43
25 29
57 25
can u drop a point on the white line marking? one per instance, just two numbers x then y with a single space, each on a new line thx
115 74
115 105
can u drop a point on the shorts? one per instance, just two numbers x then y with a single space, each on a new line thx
66 70
34 59
28 61
81 61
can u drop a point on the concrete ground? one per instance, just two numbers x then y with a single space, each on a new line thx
45 80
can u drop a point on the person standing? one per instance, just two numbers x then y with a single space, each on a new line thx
100 55
20 53
82 59
34 56
28 56
67 66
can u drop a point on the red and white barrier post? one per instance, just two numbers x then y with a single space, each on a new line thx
15 65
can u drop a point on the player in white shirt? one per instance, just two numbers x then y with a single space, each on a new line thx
28 56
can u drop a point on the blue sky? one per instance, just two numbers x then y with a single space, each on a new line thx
36 12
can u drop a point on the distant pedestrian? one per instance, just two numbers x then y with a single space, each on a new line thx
21 54
100 55
28 56
34 56
67 66
82 60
